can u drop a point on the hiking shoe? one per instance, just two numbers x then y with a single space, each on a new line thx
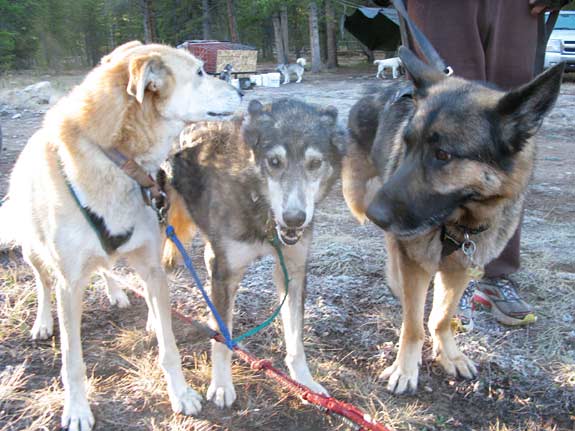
463 319
500 296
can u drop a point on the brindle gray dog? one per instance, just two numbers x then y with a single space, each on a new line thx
437 166
237 181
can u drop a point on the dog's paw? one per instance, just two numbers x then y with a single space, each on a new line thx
400 380
315 387
459 365
42 329
222 395
188 403
77 416
118 297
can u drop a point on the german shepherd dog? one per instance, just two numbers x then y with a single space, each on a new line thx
238 182
443 168
74 211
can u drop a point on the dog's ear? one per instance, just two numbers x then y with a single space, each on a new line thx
328 119
423 75
328 116
120 51
252 122
522 110
255 108
147 72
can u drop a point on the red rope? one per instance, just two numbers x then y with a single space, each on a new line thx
324 402
349 412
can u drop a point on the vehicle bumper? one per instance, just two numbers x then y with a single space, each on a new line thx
552 58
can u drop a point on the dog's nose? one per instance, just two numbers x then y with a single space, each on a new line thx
379 213
294 218
240 93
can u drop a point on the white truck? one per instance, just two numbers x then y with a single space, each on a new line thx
561 44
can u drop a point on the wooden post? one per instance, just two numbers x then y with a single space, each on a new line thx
331 34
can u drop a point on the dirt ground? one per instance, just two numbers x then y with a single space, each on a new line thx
527 375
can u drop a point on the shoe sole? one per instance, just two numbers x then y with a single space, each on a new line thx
484 301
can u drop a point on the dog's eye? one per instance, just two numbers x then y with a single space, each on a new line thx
274 162
442 156
433 138
314 164
200 72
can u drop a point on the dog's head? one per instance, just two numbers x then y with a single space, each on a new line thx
464 148
172 82
298 149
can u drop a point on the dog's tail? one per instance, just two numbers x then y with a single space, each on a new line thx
301 61
8 224
180 219
359 180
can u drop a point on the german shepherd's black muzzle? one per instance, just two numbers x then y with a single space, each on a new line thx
405 205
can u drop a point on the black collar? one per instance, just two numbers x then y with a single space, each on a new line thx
450 244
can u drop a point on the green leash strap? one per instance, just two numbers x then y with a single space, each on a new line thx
275 243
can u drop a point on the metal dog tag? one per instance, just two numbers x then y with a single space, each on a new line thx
475 272
469 248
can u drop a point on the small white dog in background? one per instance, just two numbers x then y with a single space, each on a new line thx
287 69
393 63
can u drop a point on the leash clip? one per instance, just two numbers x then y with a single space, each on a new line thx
158 202
468 246
160 206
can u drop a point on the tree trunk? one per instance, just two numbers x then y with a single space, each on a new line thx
368 53
331 34
149 20
285 33
206 20
280 54
232 21
314 38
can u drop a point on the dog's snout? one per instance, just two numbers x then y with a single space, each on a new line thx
294 218
240 93
380 214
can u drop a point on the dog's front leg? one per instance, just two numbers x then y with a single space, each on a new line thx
77 415
404 372
292 313
224 284
157 294
44 323
448 288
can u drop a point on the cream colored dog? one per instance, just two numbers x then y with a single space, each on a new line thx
136 101
393 63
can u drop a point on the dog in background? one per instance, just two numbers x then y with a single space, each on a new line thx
242 182
298 68
442 166
389 63
79 212
226 73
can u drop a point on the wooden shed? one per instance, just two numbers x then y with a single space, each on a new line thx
216 55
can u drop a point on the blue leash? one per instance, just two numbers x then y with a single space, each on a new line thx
229 341
170 232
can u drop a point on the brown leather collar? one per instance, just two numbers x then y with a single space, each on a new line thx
152 192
